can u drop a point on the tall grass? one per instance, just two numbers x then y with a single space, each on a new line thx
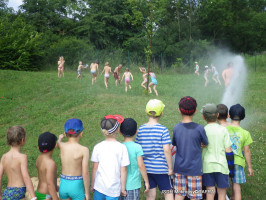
41 102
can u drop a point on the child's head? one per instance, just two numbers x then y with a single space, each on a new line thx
96 61
73 127
128 127
237 112
187 105
223 111
127 70
15 135
47 142
154 108
209 112
110 124
107 64
120 66
80 62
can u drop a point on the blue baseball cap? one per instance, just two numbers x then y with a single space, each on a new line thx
73 126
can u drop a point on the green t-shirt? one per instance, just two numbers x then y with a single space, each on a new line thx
213 156
133 173
240 138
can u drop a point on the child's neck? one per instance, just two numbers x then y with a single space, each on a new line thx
186 119
48 154
235 123
223 122
110 138
153 120
129 139
211 122
15 148
73 139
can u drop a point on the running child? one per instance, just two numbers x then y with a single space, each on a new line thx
241 140
74 180
215 75
153 83
107 70
217 157
46 166
197 68
94 67
15 165
206 72
110 161
79 69
117 74
144 76
188 137
155 141
223 115
127 76
136 168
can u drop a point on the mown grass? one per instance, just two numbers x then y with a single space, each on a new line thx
41 102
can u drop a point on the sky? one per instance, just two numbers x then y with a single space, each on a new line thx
15 4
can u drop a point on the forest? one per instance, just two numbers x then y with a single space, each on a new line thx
33 37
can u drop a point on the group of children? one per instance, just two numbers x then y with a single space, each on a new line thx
204 157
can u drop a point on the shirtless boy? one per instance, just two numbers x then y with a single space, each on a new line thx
228 74
144 76
46 166
79 69
127 76
94 67
117 74
15 165
74 180
107 70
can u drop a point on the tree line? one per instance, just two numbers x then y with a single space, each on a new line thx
42 30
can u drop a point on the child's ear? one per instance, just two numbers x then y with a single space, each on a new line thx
81 134
218 114
161 114
179 111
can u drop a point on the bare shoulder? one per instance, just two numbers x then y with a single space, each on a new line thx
50 163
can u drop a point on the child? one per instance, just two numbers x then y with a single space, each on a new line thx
155 141
206 72
110 161
129 129
107 70
215 75
74 180
197 68
144 76
241 140
14 164
188 137
46 166
153 82
94 69
223 115
79 69
216 155
117 74
127 76
228 74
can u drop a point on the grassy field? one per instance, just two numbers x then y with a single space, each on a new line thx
41 102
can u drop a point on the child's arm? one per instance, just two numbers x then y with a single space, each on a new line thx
248 159
143 172
50 179
102 71
123 181
93 174
26 176
123 77
59 141
131 76
168 156
85 173
1 175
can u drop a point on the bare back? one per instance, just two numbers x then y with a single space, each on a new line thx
94 67
72 155
227 76
127 74
46 169
12 164
107 69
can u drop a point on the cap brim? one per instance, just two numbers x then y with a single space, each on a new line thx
118 118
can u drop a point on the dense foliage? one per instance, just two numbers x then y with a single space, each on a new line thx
42 30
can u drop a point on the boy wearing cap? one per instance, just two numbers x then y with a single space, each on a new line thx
128 129
188 137
110 161
217 156
155 141
241 140
14 164
46 166
74 180
223 115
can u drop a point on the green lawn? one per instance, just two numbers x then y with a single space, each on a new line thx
41 102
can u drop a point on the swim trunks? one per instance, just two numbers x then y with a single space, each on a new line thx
127 80
14 193
71 187
79 72
116 76
93 72
60 67
41 196
106 75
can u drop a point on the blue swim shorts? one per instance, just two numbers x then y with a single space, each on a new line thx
93 72
71 187
163 181
215 178
101 196
14 193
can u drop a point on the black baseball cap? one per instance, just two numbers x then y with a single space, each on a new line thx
237 112
128 128
46 142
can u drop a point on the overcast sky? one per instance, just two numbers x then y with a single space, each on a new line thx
14 3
